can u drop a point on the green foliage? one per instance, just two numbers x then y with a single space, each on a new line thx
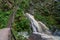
21 23
47 11
4 18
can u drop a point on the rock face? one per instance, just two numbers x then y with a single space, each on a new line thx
4 34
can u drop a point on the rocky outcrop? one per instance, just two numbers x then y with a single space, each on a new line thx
4 34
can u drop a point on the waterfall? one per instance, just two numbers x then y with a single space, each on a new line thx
34 23
37 26
40 31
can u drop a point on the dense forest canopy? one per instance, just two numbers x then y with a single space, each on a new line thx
47 11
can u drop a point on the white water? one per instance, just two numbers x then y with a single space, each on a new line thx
34 24
24 34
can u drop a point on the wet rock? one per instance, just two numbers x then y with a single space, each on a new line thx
40 37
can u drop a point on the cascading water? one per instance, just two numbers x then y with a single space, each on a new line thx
40 29
34 23
37 26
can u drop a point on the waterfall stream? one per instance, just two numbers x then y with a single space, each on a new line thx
34 23
41 29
